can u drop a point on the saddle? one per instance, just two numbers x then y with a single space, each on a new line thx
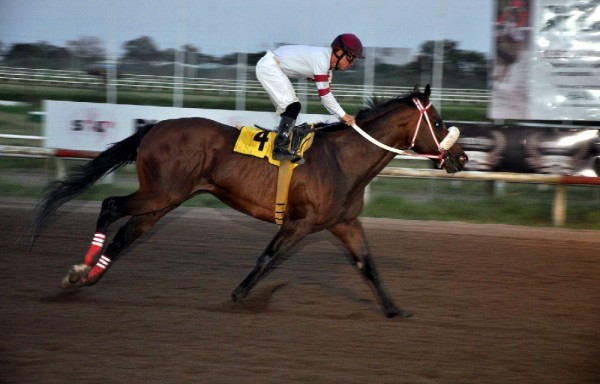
259 142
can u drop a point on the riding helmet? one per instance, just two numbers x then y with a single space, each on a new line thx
349 43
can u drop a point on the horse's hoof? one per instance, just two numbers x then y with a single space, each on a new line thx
68 282
74 278
404 314
238 295
393 312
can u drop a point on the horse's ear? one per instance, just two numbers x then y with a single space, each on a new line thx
416 88
427 91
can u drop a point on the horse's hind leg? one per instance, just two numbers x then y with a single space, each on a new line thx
352 235
130 231
113 208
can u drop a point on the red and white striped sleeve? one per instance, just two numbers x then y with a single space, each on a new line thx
324 89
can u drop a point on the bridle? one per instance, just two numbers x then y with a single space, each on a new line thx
442 147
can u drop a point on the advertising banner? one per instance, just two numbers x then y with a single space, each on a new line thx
547 60
94 126
530 149
491 148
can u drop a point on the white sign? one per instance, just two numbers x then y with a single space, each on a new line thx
547 60
566 61
94 126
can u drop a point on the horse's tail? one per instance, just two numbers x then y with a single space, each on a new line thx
61 191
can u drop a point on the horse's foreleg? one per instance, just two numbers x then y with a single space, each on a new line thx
287 236
352 235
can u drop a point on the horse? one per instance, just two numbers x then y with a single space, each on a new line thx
179 158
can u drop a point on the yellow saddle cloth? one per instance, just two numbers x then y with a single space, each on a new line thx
259 143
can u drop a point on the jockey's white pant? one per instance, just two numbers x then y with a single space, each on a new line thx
275 82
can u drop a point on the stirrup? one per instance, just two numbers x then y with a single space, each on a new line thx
299 160
282 154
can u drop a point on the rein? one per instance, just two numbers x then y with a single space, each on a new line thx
444 146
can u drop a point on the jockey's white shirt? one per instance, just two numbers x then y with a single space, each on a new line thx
297 62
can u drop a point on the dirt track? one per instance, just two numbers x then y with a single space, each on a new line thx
492 304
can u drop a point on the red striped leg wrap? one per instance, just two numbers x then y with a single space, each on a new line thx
95 249
97 270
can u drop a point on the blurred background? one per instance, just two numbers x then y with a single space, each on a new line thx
181 43
516 76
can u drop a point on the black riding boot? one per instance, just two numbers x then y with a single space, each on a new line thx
282 140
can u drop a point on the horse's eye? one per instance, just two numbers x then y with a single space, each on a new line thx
437 124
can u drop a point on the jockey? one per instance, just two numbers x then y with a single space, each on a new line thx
300 61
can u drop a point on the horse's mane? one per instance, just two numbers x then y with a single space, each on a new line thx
377 106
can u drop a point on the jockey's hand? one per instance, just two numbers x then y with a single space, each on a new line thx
348 119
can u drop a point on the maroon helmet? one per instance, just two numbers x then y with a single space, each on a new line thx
349 43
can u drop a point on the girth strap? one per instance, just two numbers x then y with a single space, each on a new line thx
284 176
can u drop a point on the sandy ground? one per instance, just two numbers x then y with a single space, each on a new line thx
492 304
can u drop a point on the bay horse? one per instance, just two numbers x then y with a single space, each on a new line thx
179 158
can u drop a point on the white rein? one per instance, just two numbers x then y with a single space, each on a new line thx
445 145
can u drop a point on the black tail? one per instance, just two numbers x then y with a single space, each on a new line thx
59 192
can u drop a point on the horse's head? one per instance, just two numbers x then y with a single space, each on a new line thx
433 139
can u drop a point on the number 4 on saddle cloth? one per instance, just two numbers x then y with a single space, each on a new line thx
259 142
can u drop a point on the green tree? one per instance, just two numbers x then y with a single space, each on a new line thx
87 49
461 68
142 49
37 55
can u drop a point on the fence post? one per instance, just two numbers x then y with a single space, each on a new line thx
61 169
559 208
241 73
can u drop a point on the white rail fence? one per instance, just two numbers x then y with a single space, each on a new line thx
559 205
80 79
